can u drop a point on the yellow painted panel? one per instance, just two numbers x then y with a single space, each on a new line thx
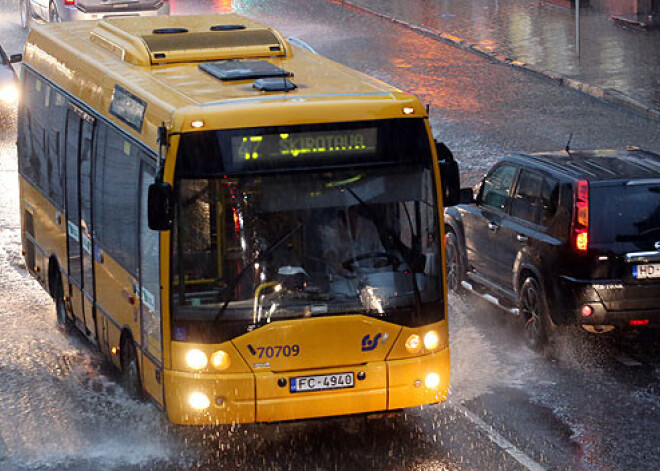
49 234
114 290
150 381
114 336
322 342
399 350
276 403
231 397
181 349
406 380
76 301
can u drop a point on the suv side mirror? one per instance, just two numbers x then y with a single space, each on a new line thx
449 178
15 58
466 196
160 206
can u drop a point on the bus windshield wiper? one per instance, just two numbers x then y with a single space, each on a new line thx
388 234
230 289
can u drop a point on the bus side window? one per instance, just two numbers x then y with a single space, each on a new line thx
55 145
116 193
33 161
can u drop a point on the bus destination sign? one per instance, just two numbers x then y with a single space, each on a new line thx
284 149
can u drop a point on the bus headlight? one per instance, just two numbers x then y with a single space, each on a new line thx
199 401
9 94
414 343
220 360
196 359
431 340
432 381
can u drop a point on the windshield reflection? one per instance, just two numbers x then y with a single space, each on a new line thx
257 249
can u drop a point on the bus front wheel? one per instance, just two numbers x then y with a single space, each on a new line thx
130 369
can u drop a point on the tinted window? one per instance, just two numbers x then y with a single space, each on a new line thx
526 201
497 186
56 106
117 199
549 200
625 215
41 137
33 157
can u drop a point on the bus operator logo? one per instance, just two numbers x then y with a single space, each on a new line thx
368 344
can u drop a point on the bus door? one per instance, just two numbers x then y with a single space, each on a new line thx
79 147
149 243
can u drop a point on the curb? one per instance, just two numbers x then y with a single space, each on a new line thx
607 95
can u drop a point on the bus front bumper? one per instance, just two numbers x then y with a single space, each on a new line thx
266 396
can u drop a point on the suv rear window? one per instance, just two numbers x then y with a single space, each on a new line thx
627 215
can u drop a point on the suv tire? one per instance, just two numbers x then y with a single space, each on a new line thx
534 312
454 262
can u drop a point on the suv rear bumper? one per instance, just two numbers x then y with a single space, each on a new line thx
575 294
74 14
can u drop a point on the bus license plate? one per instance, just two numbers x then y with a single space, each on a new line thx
651 270
322 382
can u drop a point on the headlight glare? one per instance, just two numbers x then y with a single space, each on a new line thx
9 94
414 343
432 381
431 340
220 360
199 401
196 359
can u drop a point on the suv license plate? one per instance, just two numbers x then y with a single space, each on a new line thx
651 270
322 382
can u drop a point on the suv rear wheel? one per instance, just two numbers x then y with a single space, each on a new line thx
454 262
534 312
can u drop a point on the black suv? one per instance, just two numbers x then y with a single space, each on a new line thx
569 237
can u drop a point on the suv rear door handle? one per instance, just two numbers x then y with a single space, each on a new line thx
493 226
521 238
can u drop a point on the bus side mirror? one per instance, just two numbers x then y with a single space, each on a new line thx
160 206
449 177
466 196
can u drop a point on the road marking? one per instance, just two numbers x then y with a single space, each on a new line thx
500 441
3 449
627 361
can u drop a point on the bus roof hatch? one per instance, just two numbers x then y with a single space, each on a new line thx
186 39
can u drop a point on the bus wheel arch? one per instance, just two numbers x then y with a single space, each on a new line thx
130 367
54 275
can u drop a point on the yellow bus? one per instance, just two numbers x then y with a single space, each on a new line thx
249 231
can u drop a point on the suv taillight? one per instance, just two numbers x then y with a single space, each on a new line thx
581 217
69 2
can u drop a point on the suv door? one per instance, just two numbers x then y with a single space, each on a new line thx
533 206
483 220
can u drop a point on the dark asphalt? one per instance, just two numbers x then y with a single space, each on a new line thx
577 407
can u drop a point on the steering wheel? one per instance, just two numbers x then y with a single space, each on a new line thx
380 260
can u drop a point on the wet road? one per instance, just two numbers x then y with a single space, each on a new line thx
591 404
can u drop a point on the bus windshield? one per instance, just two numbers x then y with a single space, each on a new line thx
255 249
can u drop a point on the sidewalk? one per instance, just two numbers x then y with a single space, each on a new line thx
617 63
